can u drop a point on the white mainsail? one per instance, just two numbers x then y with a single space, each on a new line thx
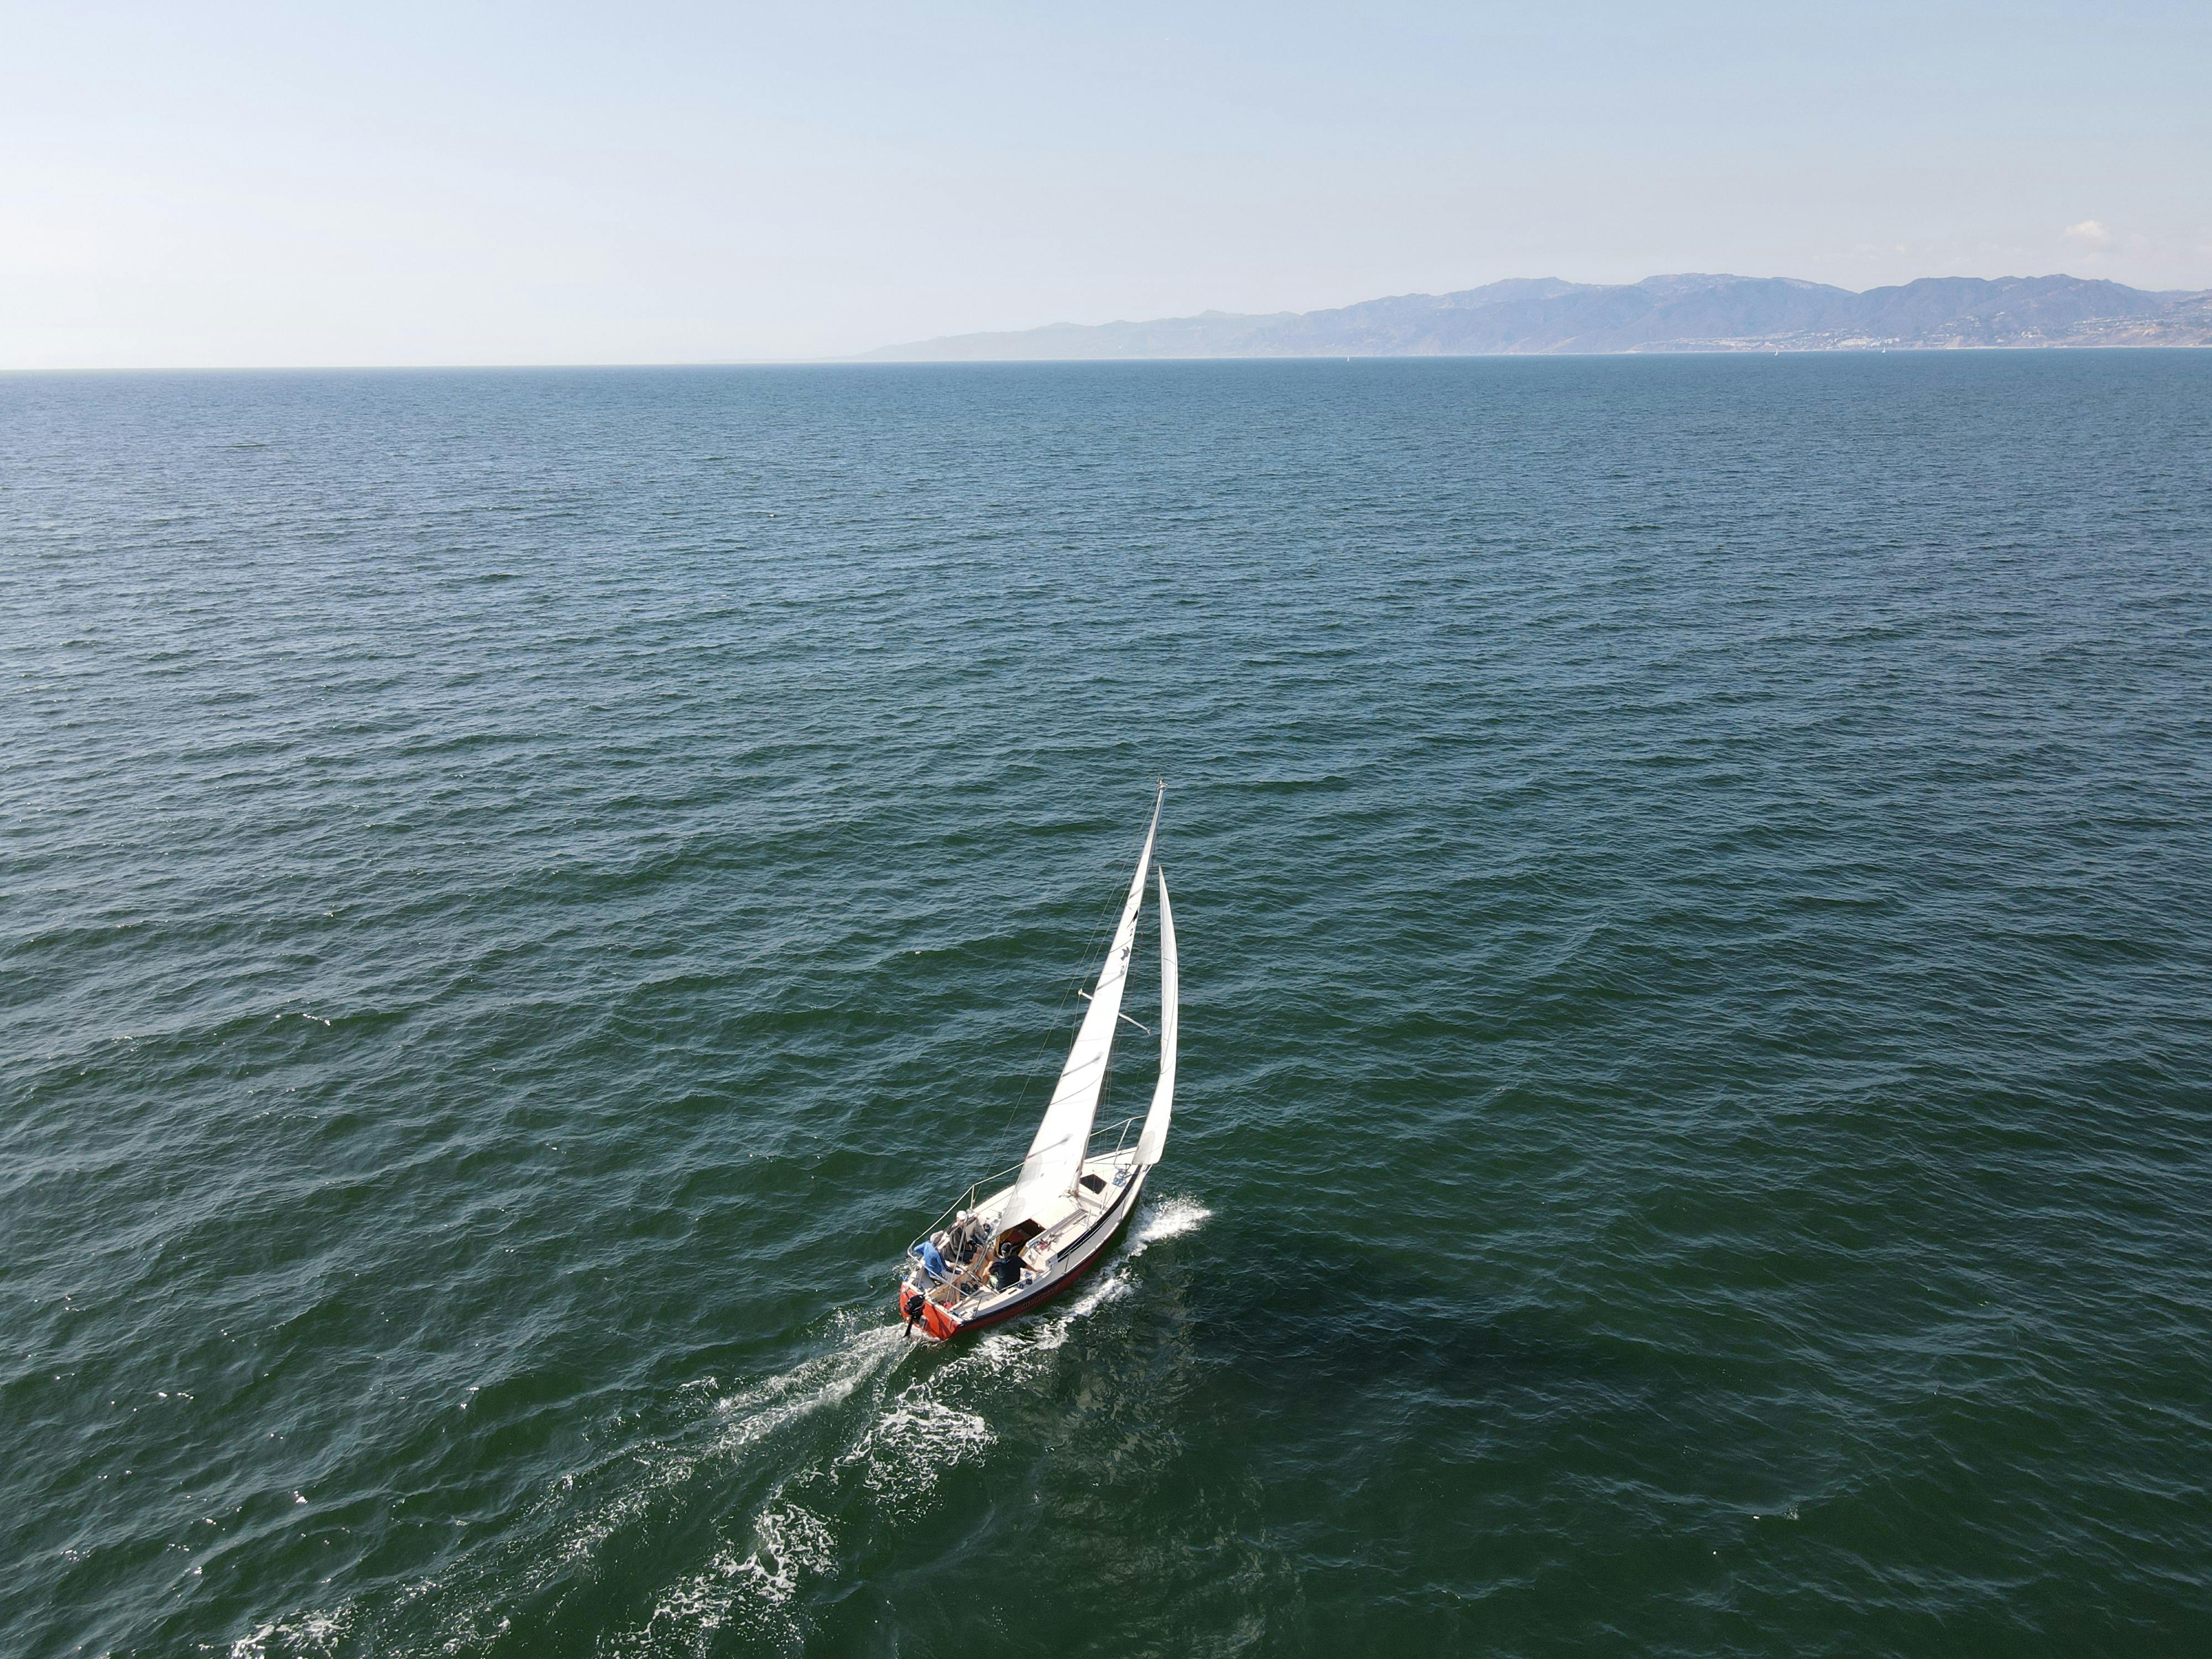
1154 1140
1056 1153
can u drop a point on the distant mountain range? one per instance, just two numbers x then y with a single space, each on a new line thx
1661 313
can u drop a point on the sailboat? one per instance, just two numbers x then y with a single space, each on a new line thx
995 1255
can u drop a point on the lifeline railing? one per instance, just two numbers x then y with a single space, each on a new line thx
1120 1131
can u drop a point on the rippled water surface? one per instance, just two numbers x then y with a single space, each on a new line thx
519 892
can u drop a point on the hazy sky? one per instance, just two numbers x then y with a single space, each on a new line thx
386 183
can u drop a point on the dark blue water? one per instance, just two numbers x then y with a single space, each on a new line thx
519 892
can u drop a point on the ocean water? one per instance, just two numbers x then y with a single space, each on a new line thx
520 892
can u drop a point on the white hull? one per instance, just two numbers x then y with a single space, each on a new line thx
1051 1262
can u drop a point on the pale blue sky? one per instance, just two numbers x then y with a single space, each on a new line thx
241 184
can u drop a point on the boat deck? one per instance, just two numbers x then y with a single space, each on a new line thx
1062 1243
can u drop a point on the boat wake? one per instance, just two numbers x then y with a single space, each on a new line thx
778 1469
1171 1218
908 1438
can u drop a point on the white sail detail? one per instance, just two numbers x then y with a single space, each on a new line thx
1055 1155
1154 1140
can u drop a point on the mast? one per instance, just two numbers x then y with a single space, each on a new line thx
1056 1154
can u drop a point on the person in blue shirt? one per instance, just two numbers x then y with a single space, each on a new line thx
932 1263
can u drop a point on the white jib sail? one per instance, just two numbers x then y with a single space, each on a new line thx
1154 1140
1056 1154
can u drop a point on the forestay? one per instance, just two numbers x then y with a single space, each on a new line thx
1056 1153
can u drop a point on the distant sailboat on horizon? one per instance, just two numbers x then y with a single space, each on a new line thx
999 1255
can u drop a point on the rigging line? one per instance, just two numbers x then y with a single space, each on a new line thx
1049 1038
1139 1023
1107 918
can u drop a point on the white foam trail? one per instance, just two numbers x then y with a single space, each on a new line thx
750 1592
807 1388
1109 1286
795 1540
310 1632
915 1440
753 1413
1171 1218
581 1509
904 1444
905 1440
